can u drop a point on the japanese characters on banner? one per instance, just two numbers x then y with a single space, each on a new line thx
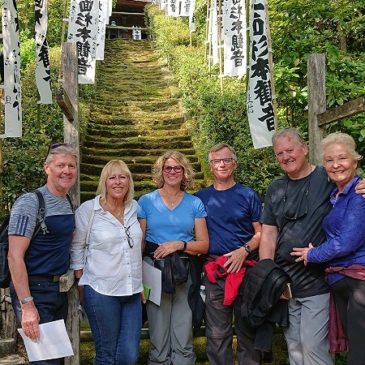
12 89
213 31
173 8
235 39
43 72
184 7
260 110
100 35
163 4
83 29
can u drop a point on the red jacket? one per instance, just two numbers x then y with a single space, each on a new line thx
215 269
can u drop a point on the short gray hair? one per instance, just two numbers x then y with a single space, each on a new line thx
344 139
60 149
288 132
220 146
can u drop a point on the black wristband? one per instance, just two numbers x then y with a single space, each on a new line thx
247 248
184 248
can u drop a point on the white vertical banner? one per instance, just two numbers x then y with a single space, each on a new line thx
110 7
235 39
260 109
184 7
100 35
192 24
213 25
12 88
173 8
82 30
163 4
43 71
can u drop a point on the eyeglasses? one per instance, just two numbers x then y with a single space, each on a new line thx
226 161
176 169
129 237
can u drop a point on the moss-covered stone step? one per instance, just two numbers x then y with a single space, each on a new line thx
135 116
108 147
101 156
138 139
143 104
135 132
109 106
132 113
113 128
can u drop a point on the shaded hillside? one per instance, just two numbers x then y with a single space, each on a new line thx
134 117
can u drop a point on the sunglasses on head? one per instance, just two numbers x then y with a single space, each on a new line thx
53 146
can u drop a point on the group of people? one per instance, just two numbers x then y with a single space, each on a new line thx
310 225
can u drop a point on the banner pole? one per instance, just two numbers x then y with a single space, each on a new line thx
220 44
271 64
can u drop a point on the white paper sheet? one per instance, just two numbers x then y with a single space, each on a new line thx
152 278
53 343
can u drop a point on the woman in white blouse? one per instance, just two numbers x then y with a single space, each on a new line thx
106 257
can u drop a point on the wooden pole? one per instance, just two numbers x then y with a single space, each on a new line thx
316 70
71 135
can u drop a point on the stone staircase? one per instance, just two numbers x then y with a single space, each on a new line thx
135 116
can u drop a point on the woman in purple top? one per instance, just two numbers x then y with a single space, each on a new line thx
344 249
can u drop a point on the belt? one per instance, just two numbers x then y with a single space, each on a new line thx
53 279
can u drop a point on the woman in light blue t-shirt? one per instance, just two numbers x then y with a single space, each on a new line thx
172 221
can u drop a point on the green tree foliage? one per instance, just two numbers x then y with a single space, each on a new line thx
214 117
298 29
42 124
335 28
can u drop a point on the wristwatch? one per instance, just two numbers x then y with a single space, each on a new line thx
26 300
247 248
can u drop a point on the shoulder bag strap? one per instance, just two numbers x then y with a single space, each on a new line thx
40 224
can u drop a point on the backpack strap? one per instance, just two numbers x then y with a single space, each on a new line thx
40 224
70 202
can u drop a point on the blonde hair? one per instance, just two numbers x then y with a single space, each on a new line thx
188 171
107 171
344 139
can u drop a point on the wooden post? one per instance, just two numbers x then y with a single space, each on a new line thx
67 99
316 103
69 94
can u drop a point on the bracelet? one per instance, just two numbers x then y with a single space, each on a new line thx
247 248
26 300
184 248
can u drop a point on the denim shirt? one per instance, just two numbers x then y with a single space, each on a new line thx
345 231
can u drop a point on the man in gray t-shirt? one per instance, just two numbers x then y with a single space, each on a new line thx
36 264
294 208
293 211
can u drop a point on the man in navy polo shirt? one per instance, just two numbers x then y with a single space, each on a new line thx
36 266
233 214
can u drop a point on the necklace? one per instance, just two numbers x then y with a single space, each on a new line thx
117 213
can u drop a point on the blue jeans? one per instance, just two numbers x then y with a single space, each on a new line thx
115 323
51 306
